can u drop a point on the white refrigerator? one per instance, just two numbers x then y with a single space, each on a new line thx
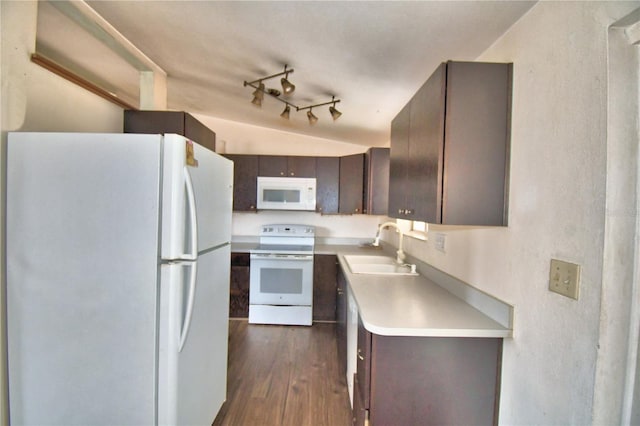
118 257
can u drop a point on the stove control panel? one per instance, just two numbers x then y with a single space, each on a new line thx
287 231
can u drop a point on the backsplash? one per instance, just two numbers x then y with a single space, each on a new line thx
327 226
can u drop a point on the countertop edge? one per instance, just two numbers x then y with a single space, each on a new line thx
497 331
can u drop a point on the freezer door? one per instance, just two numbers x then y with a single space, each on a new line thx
82 278
197 199
193 339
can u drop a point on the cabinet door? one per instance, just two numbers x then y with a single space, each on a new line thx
476 144
442 380
327 184
272 166
177 122
198 132
376 181
324 287
239 286
363 369
245 173
426 145
341 321
359 412
301 167
351 183
398 163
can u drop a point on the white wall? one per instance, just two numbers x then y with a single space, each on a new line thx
557 210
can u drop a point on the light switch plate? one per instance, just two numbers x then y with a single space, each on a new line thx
564 278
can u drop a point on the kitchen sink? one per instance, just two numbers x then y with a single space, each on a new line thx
380 265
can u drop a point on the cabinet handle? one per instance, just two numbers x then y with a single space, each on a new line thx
252 207
282 173
292 174
360 357
357 210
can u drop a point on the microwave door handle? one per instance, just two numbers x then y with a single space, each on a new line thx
192 219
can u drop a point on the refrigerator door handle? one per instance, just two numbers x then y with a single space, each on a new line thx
193 219
189 311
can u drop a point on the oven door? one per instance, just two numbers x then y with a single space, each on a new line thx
281 279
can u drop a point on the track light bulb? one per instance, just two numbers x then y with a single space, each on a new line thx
312 118
258 95
285 113
287 87
334 112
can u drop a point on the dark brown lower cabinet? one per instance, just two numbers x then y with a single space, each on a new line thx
239 286
427 380
324 287
359 410
341 321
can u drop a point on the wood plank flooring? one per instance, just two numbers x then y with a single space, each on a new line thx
284 375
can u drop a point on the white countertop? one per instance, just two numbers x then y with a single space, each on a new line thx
416 306
409 305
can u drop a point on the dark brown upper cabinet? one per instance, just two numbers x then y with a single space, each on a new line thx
351 184
327 184
449 159
287 166
376 181
177 122
245 175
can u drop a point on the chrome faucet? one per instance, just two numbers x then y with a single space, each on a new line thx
376 242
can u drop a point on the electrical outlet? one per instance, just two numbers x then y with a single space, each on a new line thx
564 278
439 241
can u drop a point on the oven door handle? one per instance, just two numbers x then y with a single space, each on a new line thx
276 257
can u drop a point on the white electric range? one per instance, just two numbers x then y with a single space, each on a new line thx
281 276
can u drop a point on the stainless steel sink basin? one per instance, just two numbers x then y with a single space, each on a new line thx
380 265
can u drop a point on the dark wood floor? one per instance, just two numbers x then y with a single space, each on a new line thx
284 375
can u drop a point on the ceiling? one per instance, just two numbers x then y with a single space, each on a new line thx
373 56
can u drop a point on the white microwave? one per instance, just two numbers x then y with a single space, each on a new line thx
286 193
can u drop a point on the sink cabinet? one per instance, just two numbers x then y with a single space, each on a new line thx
427 380
411 380
449 160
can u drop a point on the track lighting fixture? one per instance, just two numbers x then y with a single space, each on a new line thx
285 113
312 118
287 86
258 95
287 89
335 114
